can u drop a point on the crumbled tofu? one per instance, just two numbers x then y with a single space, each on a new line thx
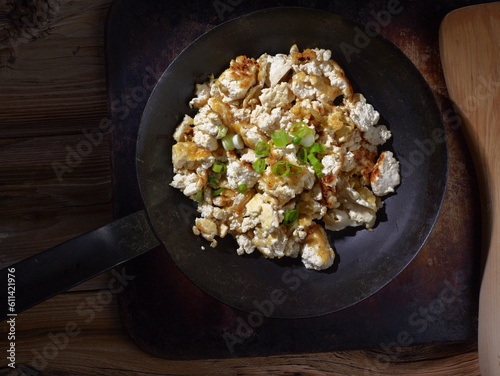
332 164
250 134
242 115
274 68
189 183
268 122
238 79
377 135
361 196
277 96
245 244
204 140
311 207
189 155
249 156
292 248
276 211
338 79
302 87
287 187
183 129
385 175
349 162
207 228
262 208
207 121
223 230
271 244
308 61
202 94
241 172
363 114
360 215
206 209
336 220
317 253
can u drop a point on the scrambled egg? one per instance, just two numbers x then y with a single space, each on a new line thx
279 144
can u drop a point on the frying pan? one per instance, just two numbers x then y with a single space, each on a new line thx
366 261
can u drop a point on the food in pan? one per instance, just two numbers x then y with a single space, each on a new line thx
280 146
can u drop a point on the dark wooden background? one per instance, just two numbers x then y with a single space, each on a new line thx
52 86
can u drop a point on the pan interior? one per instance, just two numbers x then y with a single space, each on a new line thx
368 260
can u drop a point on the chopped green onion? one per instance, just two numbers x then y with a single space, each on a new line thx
305 134
262 148
301 132
212 180
217 192
296 140
308 139
302 155
238 142
259 165
318 167
295 170
242 188
291 217
219 167
199 196
280 138
317 148
222 131
281 169
297 127
227 142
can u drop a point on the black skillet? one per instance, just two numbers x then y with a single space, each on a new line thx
367 261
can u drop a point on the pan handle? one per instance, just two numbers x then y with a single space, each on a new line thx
56 270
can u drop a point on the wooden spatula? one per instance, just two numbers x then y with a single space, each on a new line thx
469 41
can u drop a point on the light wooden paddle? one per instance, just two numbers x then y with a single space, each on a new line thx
469 41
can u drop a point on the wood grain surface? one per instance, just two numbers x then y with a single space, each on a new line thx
470 51
52 88
102 348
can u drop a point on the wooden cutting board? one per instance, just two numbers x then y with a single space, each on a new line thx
469 40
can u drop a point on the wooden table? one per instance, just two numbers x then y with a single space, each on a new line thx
52 87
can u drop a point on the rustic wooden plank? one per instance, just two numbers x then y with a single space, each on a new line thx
63 53
101 347
41 209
